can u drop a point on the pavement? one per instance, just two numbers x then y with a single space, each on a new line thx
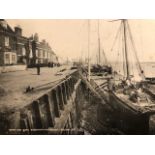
13 85
12 68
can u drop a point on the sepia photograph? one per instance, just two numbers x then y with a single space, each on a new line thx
77 77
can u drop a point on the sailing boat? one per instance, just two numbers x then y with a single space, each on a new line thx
132 105
125 93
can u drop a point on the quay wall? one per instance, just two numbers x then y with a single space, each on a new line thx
53 113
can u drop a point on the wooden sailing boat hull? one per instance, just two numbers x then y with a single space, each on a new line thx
128 119
122 115
150 90
125 118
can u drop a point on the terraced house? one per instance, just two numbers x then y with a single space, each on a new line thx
8 54
42 52
18 49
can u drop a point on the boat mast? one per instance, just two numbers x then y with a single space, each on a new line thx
105 58
99 50
135 52
88 50
125 48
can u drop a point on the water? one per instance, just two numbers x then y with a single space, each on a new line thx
147 67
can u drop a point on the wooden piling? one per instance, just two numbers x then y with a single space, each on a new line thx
50 117
37 115
56 103
64 93
61 100
67 90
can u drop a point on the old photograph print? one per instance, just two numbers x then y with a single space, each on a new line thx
77 77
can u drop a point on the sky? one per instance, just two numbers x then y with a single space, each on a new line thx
69 38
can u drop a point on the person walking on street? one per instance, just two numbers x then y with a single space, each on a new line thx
38 69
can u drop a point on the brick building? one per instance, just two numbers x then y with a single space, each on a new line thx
21 41
42 52
8 53
17 49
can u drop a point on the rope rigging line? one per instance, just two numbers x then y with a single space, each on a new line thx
135 52
128 44
105 61
117 34
105 58
119 37
81 43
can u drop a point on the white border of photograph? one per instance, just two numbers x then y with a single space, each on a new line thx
77 9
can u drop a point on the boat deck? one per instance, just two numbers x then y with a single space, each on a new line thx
143 106
99 80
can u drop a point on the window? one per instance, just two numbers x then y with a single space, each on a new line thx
48 55
7 58
23 51
39 54
44 54
31 55
6 41
13 59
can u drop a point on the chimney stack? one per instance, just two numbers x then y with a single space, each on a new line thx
18 30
